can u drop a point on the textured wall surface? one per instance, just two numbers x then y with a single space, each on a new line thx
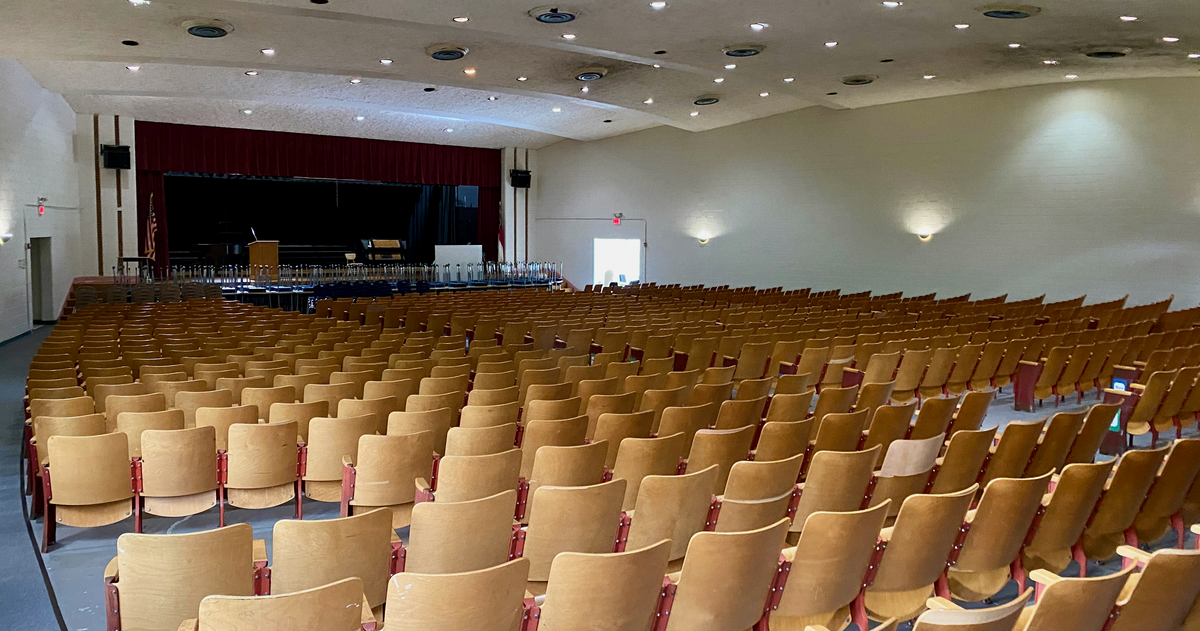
1067 189
36 160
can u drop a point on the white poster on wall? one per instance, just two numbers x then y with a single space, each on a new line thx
457 255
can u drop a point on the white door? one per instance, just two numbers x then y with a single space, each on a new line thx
617 261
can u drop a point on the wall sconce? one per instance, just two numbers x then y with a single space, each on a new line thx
703 238
5 238
925 238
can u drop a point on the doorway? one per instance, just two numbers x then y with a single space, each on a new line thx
617 261
41 277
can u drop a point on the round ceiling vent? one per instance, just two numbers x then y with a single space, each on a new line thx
1010 11
208 29
1107 52
591 74
552 15
861 79
707 100
447 52
742 50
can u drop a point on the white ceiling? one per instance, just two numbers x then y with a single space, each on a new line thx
74 47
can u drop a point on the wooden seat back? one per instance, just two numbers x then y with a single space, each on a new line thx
311 553
464 478
630 605
641 457
482 600
571 519
837 481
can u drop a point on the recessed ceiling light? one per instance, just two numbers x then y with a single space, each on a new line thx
1193 55
360 118
658 5
718 80
133 68
386 62
1014 45
355 81
568 36
758 26
522 78
962 27
470 71
1170 40
1129 18
730 66
556 110
268 51
247 112
1050 62
830 44
448 129
462 18
584 89
657 66
930 76
138 3
251 73
892 4
764 94
1072 76
695 113
648 101
789 79
493 98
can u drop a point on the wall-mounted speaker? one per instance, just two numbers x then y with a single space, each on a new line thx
115 156
519 178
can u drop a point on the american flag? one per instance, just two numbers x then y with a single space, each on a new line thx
151 230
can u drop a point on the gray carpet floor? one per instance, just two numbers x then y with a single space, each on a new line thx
75 565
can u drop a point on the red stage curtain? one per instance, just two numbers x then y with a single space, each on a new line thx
489 221
165 147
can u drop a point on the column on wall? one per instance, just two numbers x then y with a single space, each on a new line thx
103 245
517 205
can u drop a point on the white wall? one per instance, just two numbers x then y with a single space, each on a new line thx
36 160
1067 189
85 162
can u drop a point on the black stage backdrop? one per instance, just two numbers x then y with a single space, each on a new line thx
315 221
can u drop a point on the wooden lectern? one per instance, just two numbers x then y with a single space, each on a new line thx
266 253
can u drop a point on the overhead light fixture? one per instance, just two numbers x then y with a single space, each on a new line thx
247 112
758 26
1014 45
925 237
658 5
462 18
730 66
892 4
386 62
764 94
355 81
789 79
360 118
584 89
830 44
251 73
133 68
469 71
962 27
930 76
1193 55
568 36
139 3
1071 76
657 65
1129 18
493 98
719 80
703 237
556 110
268 51
1170 40
522 78
1050 62
649 101
695 113
448 130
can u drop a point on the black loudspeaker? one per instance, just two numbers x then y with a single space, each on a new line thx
519 178
115 156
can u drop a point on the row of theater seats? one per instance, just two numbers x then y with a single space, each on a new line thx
116 293
601 446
